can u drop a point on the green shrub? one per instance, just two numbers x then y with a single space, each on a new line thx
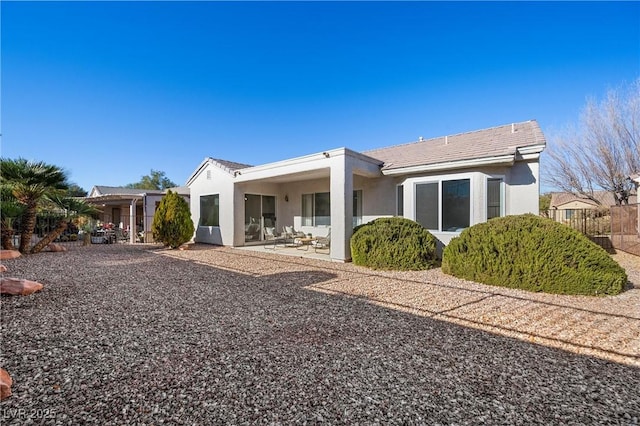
533 253
172 224
393 243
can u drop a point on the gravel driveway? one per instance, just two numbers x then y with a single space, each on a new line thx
135 334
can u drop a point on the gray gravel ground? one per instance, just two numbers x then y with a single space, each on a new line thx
134 334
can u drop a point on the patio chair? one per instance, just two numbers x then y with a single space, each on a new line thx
270 237
323 243
120 235
290 235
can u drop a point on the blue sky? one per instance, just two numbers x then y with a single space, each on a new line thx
110 90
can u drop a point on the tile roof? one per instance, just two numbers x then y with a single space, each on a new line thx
606 199
118 190
101 190
486 143
231 165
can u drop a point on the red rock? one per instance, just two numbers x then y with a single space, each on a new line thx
5 384
19 287
9 254
3 268
56 247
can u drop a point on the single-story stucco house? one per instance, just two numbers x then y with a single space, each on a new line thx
124 206
569 201
446 184
566 203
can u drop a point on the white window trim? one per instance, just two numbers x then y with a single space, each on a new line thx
439 179
503 195
398 186
200 210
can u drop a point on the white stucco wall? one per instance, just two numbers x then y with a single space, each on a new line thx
523 188
520 191
219 182
340 172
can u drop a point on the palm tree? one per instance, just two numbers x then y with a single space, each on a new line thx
29 182
71 208
10 210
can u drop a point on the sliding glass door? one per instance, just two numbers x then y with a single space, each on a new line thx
259 212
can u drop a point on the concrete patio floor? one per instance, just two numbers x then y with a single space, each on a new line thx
305 252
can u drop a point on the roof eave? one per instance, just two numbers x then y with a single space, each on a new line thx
531 152
502 160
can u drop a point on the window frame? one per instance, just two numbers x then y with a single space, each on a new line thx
314 205
400 200
215 204
439 180
357 208
503 197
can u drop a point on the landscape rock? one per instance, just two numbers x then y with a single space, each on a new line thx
56 247
5 384
3 268
9 254
19 287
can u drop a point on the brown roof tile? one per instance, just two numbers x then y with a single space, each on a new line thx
492 142
606 199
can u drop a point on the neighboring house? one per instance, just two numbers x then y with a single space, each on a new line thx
124 206
446 184
568 202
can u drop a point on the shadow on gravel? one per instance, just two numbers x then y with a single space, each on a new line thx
176 340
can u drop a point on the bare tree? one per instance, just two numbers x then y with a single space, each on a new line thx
603 151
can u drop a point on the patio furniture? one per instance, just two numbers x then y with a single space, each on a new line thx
291 236
119 235
322 243
304 243
270 237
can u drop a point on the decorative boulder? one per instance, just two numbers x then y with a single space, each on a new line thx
56 247
9 254
5 384
19 287
3 268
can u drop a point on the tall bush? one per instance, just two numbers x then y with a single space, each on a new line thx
533 253
393 243
172 224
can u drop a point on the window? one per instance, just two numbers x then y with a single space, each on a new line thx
210 210
307 209
316 209
357 208
427 209
444 205
456 205
494 198
400 200
322 208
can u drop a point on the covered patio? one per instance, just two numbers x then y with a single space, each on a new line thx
130 210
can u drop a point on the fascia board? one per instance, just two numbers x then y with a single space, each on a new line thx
503 160
529 152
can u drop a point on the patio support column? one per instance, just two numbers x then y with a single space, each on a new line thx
132 221
341 186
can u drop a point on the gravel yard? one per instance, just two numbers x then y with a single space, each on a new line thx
136 334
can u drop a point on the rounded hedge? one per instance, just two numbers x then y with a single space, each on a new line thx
533 253
393 243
